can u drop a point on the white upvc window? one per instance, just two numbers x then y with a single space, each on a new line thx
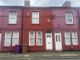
7 41
35 17
15 38
31 38
38 38
67 38
69 18
0 39
74 38
12 17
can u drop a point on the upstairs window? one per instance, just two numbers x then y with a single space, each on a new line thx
35 17
12 17
69 18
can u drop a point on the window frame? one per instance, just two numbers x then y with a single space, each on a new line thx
35 18
74 37
37 37
67 38
69 17
5 42
14 38
30 43
10 20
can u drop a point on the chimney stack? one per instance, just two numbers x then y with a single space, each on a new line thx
67 4
27 3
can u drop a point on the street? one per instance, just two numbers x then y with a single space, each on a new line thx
41 56
57 58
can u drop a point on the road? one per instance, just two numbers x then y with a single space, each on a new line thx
42 58
59 58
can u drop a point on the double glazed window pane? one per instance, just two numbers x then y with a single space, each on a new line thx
32 41
35 14
32 34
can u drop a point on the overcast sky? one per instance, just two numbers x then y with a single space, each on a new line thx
39 2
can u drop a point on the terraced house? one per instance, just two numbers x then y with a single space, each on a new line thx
10 27
40 28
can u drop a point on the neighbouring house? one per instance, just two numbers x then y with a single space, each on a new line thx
10 27
66 28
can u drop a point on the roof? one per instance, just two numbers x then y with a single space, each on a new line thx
34 7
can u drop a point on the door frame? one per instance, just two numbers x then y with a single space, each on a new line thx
58 33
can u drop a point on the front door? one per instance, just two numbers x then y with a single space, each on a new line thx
49 45
58 42
0 41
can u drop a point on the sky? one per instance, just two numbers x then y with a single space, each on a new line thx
38 2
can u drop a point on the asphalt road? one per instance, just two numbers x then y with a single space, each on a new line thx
61 59
42 58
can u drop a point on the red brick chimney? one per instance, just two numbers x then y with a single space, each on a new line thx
67 4
27 3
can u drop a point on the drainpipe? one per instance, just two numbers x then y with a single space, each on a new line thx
78 17
79 24
23 48
22 29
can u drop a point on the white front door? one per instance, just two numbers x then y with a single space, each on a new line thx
58 42
49 45
0 41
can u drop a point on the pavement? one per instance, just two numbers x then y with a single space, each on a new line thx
40 55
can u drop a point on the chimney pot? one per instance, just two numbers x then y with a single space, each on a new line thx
67 4
26 3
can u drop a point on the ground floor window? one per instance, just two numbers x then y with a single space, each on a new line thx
35 38
67 38
7 39
71 37
39 38
32 38
11 38
74 38
15 38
